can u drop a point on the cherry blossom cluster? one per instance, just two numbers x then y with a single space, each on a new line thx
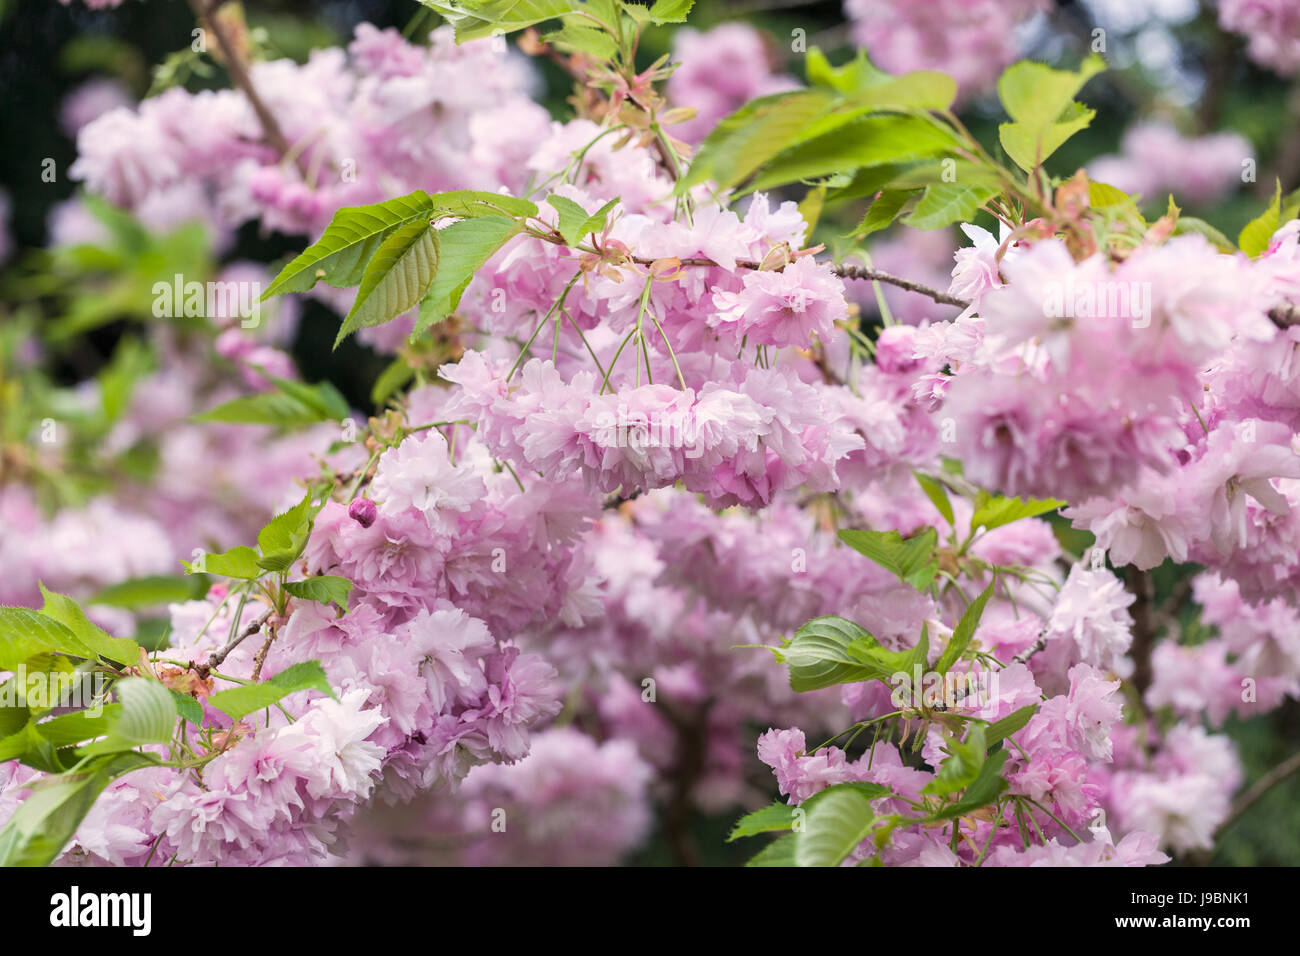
570 555
1272 28
1156 160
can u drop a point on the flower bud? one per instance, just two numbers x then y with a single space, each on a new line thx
363 512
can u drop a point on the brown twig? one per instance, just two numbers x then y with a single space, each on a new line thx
217 657
1260 787
849 270
1167 614
1144 630
260 659
845 270
1031 650
206 13
1220 58
692 744
1284 315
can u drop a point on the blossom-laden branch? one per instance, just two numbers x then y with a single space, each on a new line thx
1284 315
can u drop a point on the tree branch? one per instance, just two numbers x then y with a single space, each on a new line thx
1284 314
692 745
206 13
1031 650
850 271
1260 787
217 657
1144 631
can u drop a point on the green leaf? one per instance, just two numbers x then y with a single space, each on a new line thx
117 381
1031 146
1037 94
72 729
466 247
883 211
571 220
964 631
855 74
749 137
1040 102
670 11
777 816
870 180
828 651
472 203
63 609
937 494
12 716
238 562
238 702
1102 195
350 240
986 788
29 747
264 408
151 591
780 852
810 207
1192 225
944 172
474 19
573 223
147 716
396 278
46 821
911 560
993 512
872 791
325 588
24 633
868 86
1255 235
889 663
836 824
865 141
391 379
999 730
283 538
580 38
946 203
962 766
323 398
187 707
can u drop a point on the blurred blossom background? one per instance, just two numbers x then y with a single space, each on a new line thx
1201 98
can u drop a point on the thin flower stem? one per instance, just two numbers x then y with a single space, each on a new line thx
627 338
506 466
559 304
1059 821
681 379
590 351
